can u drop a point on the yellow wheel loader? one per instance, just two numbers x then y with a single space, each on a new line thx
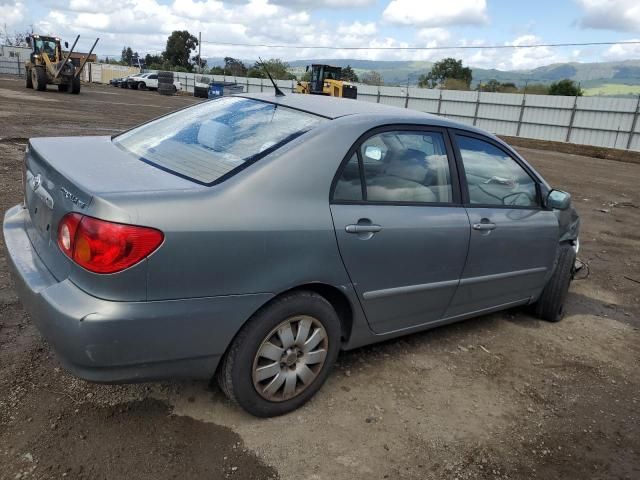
327 80
46 65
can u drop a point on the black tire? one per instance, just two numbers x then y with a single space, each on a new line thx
166 89
550 305
63 87
142 85
133 86
201 92
236 369
39 78
28 79
74 86
165 77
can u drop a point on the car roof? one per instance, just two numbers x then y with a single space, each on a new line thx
333 107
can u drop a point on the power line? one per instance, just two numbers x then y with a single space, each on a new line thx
447 47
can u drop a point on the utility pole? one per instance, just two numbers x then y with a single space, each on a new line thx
199 52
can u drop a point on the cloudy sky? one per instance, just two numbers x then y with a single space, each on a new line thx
145 25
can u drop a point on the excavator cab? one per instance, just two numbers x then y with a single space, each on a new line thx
327 80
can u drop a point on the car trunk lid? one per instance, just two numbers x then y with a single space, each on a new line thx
63 175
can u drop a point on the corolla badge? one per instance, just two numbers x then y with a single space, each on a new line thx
74 198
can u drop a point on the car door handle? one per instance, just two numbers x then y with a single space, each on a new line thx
484 226
363 228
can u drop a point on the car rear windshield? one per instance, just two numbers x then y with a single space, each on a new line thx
209 142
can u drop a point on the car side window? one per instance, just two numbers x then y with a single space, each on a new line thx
349 187
406 166
493 176
398 166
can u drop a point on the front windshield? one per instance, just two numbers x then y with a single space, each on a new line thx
207 142
46 46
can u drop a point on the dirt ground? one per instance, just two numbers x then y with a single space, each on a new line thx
503 396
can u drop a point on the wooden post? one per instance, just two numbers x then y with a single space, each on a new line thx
378 99
475 115
439 102
632 131
406 99
522 107
573 116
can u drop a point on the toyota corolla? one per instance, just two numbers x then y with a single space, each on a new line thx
252 238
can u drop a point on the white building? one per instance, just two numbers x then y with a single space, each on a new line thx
16 53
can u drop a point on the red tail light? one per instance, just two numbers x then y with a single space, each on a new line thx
105 247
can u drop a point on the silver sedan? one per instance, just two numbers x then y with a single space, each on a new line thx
254 237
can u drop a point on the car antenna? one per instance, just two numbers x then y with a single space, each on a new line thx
279 93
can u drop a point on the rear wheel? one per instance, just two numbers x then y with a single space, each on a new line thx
142 86
39 78
74 86
550 305
282 356
28 80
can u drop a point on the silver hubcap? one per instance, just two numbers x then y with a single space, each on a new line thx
290 358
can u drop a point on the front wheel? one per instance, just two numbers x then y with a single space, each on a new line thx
39 78
550 305
282 356
28 80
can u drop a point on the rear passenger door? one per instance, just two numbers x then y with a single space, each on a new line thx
401 229
513 239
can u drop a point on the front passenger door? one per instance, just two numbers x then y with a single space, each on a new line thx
513 239
401 230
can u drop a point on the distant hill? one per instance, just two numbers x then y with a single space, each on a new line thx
603 78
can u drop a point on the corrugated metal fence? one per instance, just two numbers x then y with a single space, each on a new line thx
11 66
598 121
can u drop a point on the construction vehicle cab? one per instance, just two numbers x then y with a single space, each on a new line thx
48 66
327 80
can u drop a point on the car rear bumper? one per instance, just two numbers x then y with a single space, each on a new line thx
107 341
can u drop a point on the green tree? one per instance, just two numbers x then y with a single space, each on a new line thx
455 84
306 76
565 87
448 68
233 66
216 70
349 75
492 85
178 50
535 89
152 60
126 56
278 69
372 78
199 62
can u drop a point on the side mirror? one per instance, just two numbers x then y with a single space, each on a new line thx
559 200
66 44
373 153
